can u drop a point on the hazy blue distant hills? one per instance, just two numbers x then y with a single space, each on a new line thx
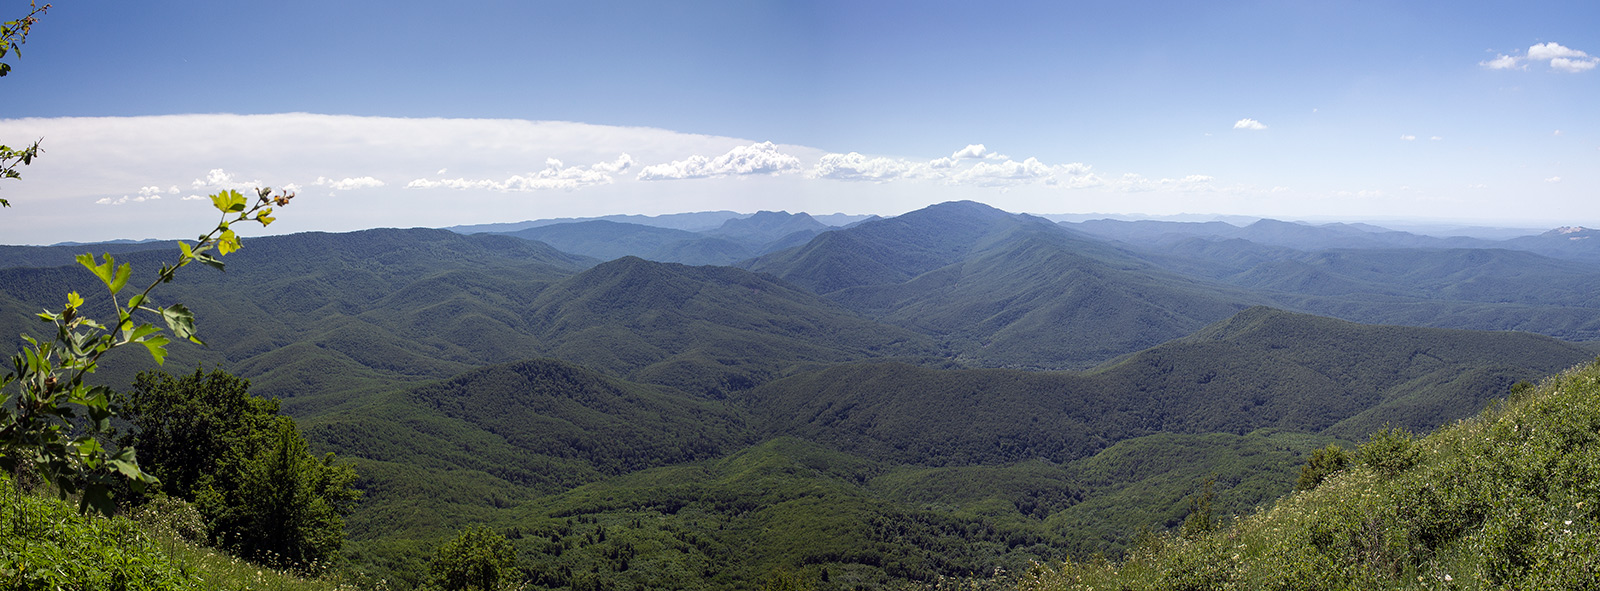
689 222
892 250
1572 243
63 254
607 240
735 240
766 227
1567 242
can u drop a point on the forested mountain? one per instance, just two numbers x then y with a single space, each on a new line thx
1571 243
864 405
734 240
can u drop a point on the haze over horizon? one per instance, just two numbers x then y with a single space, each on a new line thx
414 114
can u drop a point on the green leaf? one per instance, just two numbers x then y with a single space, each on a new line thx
158 348
134 301
140 331
105 271
209 260
181 321
121 279
74 300
98 497
229 201
227 242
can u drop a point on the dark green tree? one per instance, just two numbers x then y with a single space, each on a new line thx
479 558
1200 519
243 465
1322 464
185 426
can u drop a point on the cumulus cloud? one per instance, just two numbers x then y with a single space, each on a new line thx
760 158
556 175
1408 137
218 178
146 193
1435 138
1011 173
1554 179
973 165
855 167
1559 57
1501 62
1250 124
345 184
975 152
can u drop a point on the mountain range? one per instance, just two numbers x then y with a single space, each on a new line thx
937 393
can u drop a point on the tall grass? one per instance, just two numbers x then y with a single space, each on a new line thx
1507 499
46 544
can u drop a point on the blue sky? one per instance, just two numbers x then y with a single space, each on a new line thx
430 113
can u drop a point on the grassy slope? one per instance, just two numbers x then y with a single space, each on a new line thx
1505 499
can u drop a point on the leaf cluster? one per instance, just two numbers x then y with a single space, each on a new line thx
51 421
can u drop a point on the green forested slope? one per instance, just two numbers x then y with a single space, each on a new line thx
1262 368
1038 298
706 329
1502 500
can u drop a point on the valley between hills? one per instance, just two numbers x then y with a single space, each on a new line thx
862 403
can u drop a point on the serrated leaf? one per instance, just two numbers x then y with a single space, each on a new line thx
227 242
74 300
105 271
181 321
158 348
134 301
140 331
229 201
209 260
121 278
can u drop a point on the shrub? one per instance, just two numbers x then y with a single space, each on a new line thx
1390 451
1323 463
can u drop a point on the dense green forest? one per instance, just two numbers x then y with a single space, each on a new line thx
942 394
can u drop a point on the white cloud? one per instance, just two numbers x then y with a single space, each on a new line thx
1408 137
1250 124
1553 50
1501 62
1435 138
1554 179
855 167
1560 58
218 178
975 152
556 175
346 184
761 158
1012 173
1572 65
1557 132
